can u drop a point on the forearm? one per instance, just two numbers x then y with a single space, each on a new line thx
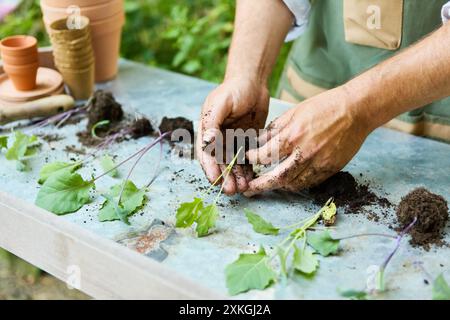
260 29
411 79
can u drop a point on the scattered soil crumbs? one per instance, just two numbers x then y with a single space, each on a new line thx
103 106
348 193
75 150
141 127
432 213
171 124
50 137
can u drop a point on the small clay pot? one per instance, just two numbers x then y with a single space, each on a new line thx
18 46
92 11
24 76
20 60
80 82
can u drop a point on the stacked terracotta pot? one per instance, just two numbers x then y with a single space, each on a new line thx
107 19
20 61
74 56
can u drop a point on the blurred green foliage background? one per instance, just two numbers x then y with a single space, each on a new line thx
187 36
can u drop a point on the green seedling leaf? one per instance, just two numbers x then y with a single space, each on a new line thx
3 142
108 165
259 224
187 213
441 289
55 168
206 219
21 144
249 271
323 243
305 260
98 124
354 294
329 214
283 255
23 147
132 199
64 192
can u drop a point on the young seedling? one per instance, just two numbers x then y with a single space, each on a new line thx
65 191
254 271
22 149
205 216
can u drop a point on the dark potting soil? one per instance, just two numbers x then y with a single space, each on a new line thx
103 106
141 128
432 215
347 193
172 124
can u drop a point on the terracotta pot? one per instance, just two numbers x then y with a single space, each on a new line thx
106 38
23 77
93 11
20 60
67 3
80 82
19 46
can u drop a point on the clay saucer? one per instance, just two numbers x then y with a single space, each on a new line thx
48 81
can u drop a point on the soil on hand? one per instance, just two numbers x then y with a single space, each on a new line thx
103 106
141 128
347 193
432 215
172 124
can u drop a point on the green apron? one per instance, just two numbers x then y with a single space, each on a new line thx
347 37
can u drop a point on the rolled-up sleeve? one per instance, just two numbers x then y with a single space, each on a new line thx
301 10
446 13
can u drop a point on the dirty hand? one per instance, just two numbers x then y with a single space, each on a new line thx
236 103
316 139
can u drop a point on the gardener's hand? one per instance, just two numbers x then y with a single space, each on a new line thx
317 138
237 103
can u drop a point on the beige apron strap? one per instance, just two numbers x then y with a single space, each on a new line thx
302 87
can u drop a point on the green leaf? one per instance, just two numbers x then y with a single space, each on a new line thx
55 168
249 271
20 146
441 289
64 192
259 224
323 243
283 255
354 294
206 219
3 142
187 213
108 164
132 199
305 260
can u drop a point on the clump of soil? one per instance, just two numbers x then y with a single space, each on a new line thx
172 124
432 215
103 106
141 128
347 193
